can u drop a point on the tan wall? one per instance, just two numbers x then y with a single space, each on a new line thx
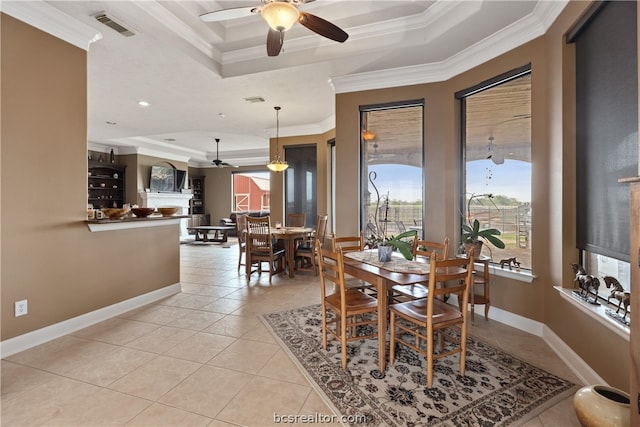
553 188
49 257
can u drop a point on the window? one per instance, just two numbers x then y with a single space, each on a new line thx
391 147
496 129
251 191
301 182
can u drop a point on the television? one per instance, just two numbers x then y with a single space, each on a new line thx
166 179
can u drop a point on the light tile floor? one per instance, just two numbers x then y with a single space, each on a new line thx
199 358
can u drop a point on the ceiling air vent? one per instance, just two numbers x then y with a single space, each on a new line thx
254 99
109 22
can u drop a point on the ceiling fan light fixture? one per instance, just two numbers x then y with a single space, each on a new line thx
280 15
277 164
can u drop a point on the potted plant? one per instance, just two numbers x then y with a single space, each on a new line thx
473 236
377 231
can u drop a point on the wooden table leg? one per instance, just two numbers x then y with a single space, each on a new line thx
381 289
291 257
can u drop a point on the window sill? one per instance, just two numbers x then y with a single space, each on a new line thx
597 312
520 276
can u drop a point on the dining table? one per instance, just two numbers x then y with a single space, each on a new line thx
289 236
365 266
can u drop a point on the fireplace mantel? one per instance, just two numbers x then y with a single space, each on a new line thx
156 200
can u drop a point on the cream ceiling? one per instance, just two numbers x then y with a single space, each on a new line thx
196 75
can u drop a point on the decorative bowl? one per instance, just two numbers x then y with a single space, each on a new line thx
168 210
142 212
114 213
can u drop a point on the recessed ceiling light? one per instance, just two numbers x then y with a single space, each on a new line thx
143 103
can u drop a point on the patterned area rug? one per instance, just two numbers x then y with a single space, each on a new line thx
496 390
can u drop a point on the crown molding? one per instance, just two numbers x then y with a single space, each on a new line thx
47 18
524 30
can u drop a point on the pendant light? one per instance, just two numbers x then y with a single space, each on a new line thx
277 164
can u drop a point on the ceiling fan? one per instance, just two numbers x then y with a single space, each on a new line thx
280 15
217 162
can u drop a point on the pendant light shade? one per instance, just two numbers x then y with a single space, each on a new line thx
277 164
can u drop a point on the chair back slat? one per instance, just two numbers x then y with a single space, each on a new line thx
321 228
241 227
258 233
425 248
331 266
296 220
456 270
347 243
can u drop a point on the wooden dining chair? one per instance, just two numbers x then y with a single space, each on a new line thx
261 249
347 311
414 324
241 229
306 249
422 250
296 220
349 244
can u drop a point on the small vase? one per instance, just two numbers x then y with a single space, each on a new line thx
384 253
599 405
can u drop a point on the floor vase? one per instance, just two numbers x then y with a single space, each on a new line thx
600 406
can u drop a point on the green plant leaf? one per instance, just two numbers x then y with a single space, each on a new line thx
405 248
406 252
495 241
489 232
405 234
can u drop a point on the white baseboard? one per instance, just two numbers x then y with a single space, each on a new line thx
57 330
578 366
506 317
519 322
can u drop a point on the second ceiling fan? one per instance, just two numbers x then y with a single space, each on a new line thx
280 15
217 162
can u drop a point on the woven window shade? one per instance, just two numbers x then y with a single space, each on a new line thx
607 128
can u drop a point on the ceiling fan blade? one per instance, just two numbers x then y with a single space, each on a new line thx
274 42
322 27
233 13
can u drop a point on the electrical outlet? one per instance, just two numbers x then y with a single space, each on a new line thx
21 308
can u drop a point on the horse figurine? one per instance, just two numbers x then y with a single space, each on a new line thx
510 261
585 281
618 292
